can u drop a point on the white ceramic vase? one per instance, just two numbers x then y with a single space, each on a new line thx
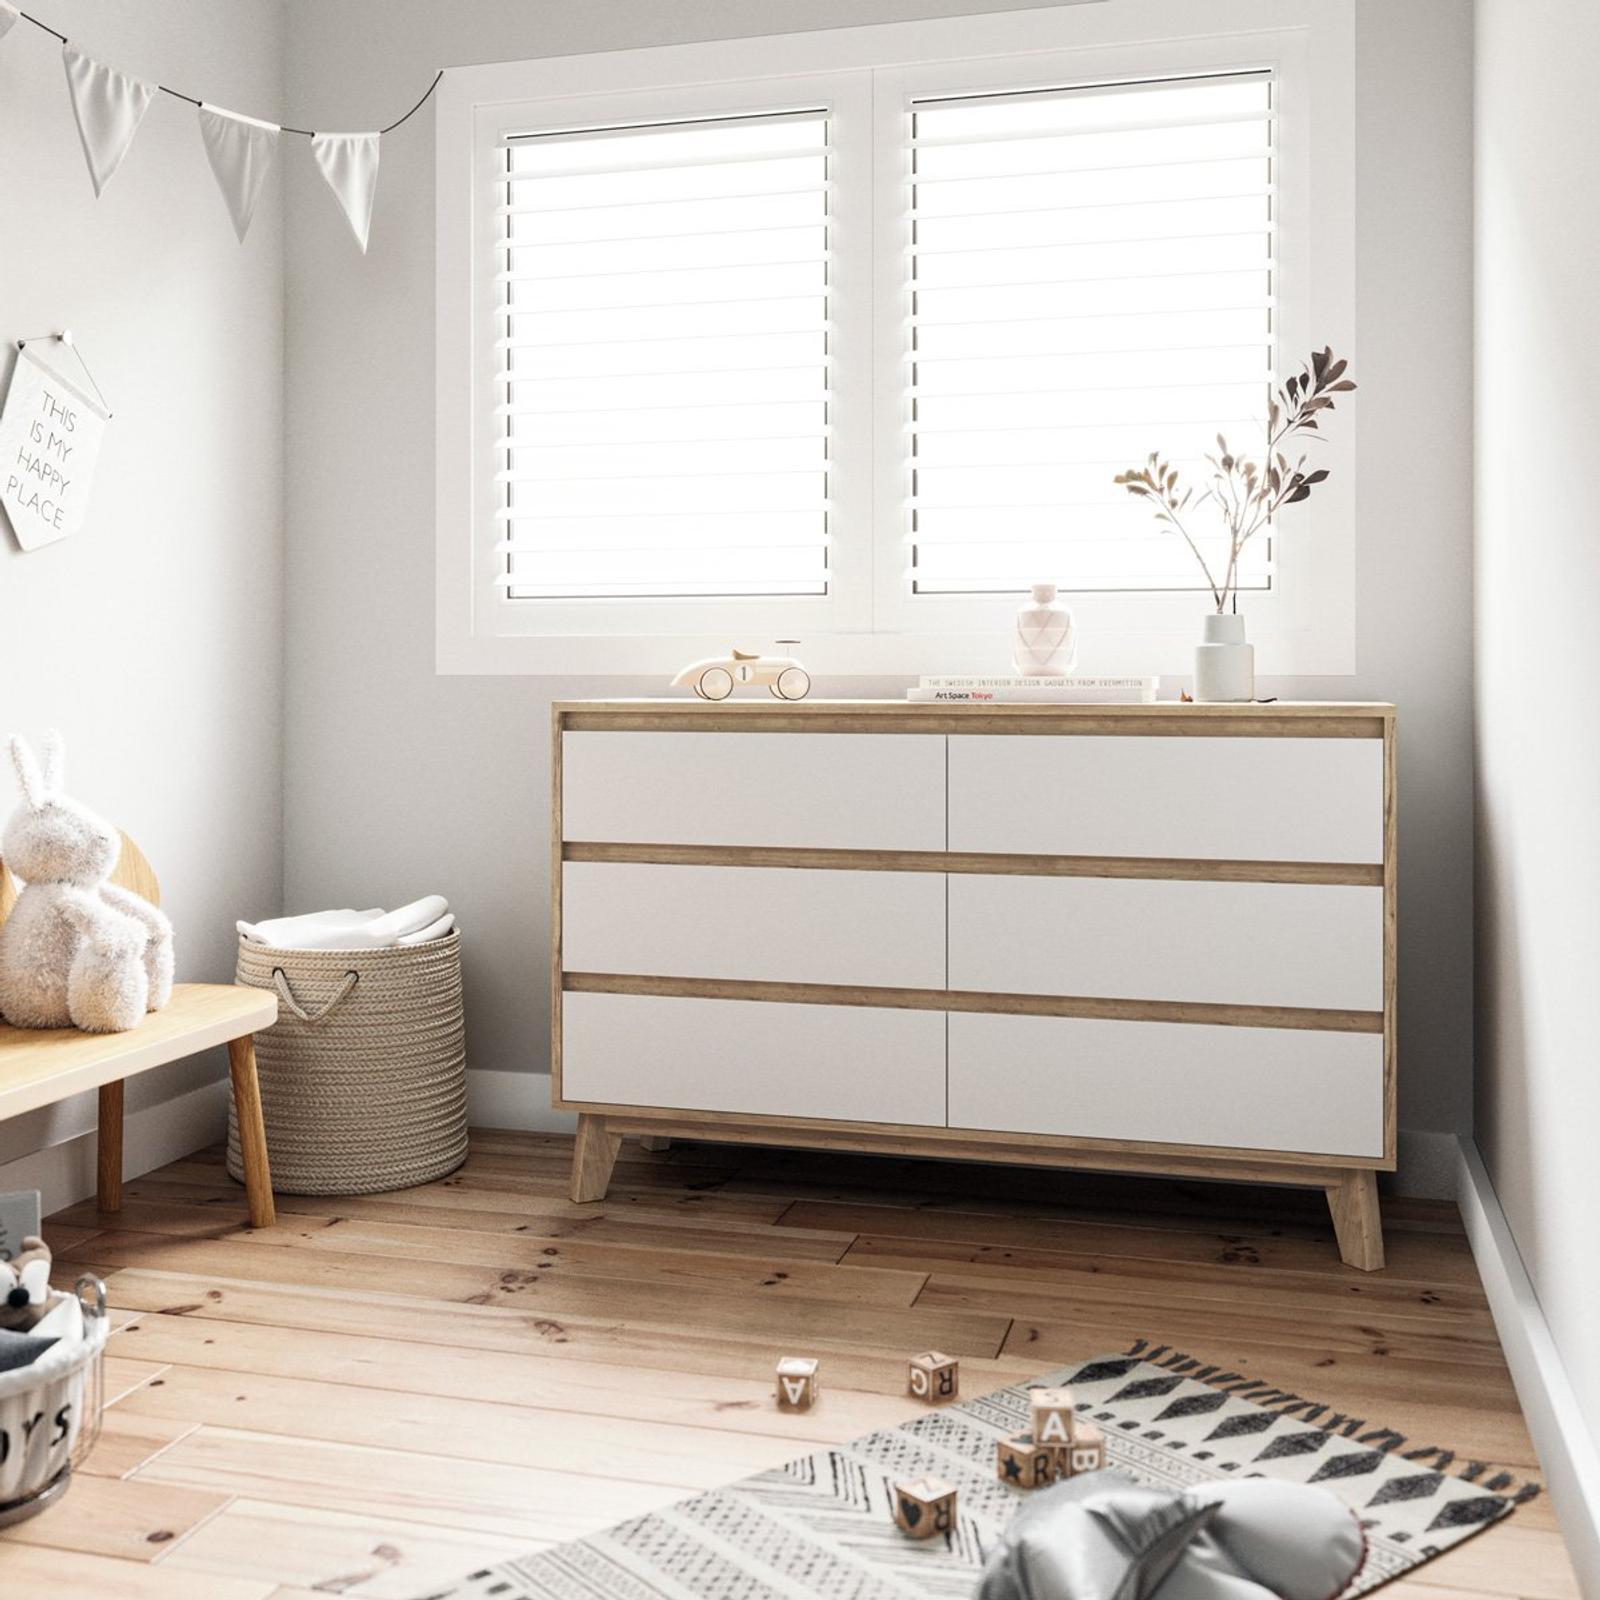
1046 643
1224 665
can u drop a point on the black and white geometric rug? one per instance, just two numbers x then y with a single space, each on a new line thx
820 1526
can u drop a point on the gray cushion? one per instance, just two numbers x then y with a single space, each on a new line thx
1095 1537
20 1349
1104 1537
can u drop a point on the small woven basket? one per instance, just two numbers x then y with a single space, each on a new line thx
364 1074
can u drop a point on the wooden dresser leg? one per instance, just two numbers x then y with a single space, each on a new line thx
1353 1200
651 1141
108 1145
252 1132
593 1157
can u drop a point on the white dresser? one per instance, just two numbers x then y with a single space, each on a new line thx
1134 938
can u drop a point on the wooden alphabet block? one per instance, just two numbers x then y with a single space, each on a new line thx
1086 1453
1052 1416
935 1377
797 1383
1024 1464
924 1507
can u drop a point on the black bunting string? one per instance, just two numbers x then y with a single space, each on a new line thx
307 133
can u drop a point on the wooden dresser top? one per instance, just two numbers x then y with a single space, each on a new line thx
1258 719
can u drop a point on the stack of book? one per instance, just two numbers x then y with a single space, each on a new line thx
1041 691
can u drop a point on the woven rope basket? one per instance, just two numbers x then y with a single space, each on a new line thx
364 1074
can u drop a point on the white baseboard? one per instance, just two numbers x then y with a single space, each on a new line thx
64 1173
1566 1449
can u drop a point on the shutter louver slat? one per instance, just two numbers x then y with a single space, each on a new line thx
664 388
1091 277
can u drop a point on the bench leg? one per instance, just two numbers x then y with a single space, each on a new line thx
108 1163
252 1132
1353 1200
593 1157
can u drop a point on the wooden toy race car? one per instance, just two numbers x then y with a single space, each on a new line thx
716 678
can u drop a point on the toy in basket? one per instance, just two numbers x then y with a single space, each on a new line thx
50 1406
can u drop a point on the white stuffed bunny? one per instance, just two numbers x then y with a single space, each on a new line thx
76 951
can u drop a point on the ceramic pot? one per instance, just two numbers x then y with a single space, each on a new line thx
1045 645
1224 665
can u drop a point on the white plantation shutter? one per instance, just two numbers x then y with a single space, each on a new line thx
1090 278
664 384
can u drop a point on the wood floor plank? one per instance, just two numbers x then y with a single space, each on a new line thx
157 1206
397 1388
37 1572
861 1354
482 1432
334 1552
527 1503
740 1400
127 1442
890 1232
780 1318
116 1517
785 1261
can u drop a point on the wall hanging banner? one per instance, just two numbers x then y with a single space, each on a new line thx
109 106
50 433
8 16
349 162
241 151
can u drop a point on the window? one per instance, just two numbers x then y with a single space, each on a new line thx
665 378
1090 270
842 338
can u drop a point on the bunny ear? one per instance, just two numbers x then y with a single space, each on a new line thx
55 761
28 773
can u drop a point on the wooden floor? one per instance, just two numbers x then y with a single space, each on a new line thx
378 1394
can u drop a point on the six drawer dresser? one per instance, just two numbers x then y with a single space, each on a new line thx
1152 938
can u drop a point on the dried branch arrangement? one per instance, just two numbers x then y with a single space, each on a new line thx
1247 493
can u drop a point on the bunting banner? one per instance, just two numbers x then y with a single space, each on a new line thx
349 164
242 151
109 105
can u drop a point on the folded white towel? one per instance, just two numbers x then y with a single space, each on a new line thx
348 929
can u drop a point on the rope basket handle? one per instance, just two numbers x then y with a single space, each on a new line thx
286 995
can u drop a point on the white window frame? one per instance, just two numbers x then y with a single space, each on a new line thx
867 76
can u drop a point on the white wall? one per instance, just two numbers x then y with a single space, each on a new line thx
153 638
399 781
1538 597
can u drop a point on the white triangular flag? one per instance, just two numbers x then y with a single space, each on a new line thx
242 151
8 17
109 106
349 162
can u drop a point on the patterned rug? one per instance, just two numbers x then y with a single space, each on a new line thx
820 1526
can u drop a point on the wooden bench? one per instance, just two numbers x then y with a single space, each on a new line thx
39 1066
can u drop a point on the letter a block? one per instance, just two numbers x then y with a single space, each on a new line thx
797 1383
935 1377
924 1507
1086 1453
1052 1416
1024 1464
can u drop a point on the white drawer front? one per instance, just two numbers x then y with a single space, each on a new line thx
1260 944
1199 796
776 924
1169 1082
846 1063
864 791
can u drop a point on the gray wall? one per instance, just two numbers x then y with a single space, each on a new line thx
153 638
1538 598
399 781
